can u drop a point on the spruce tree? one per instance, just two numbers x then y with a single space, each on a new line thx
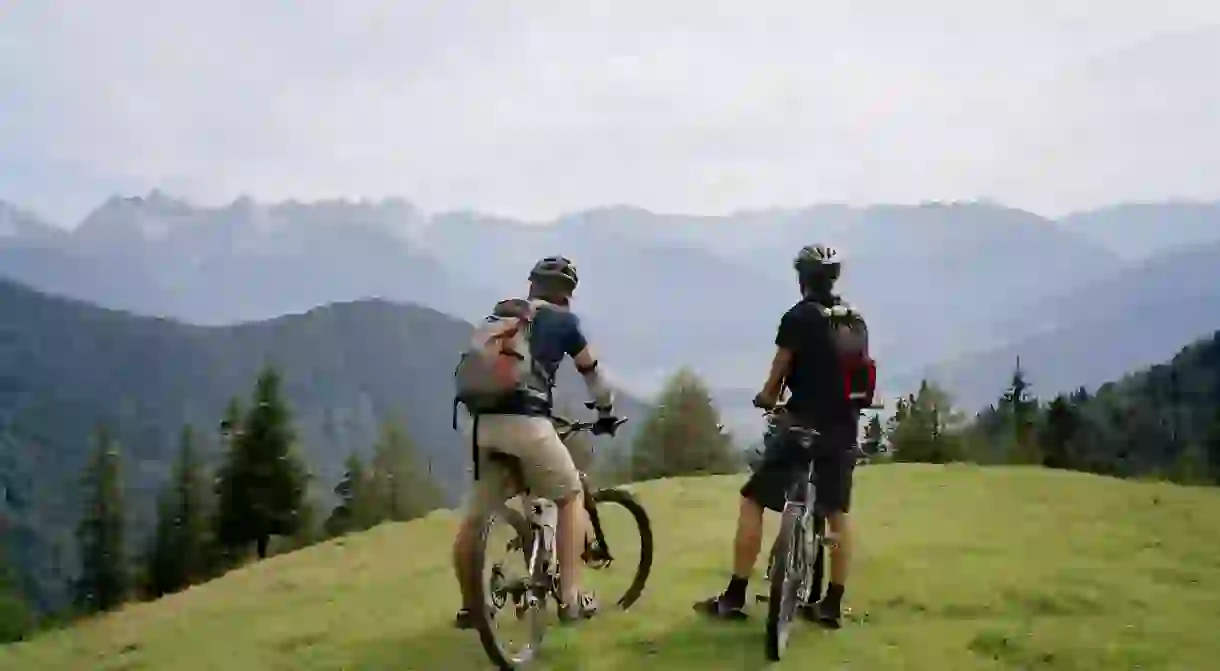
358 508
16 617
104 580
262 487
873 435
1059 427
683 434
927 428
1020 411
179 553
402 482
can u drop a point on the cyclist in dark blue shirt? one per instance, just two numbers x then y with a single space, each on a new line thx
521 427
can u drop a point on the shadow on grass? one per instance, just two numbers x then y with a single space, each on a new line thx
434 649
697 642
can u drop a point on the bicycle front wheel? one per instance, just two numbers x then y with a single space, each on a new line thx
787 572
619 570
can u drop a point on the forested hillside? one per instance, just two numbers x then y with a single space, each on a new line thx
67 368
1163 421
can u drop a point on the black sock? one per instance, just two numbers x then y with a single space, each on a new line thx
736 591
834 594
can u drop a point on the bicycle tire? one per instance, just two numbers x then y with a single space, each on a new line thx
480 616
643 525
781 604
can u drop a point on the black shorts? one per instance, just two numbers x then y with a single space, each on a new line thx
785 463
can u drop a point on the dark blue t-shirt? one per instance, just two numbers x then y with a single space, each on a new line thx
556 334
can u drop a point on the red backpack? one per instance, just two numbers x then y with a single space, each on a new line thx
849 333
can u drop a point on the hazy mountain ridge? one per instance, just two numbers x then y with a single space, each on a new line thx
937 280
1097 332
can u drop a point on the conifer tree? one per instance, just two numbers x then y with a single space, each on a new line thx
261 488
358 508
179 553
104 581
873 435
683 434
16 617
402 481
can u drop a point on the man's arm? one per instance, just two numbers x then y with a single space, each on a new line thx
578 348
599 392
786 340
780 365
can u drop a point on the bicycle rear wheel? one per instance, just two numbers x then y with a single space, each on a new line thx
629 542
511 594
787 573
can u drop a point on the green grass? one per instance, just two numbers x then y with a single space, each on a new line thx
959 567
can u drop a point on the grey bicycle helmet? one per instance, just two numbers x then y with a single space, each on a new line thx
817 261
555 269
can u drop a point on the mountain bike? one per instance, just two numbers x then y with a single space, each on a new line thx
525 598
798 556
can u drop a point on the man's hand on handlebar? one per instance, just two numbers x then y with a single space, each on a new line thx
765 401
606 423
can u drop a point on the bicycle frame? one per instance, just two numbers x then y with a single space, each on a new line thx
541 548
800 500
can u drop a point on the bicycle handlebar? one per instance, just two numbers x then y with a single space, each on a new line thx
567 427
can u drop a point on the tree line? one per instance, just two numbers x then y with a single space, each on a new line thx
210 522
1137 427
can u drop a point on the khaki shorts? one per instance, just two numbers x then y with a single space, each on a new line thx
545 462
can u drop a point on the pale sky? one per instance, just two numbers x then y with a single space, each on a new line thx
535 108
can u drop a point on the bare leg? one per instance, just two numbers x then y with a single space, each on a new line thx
463 553
748 541
840 551
570 543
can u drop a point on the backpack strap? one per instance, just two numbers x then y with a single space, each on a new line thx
538 305
474 447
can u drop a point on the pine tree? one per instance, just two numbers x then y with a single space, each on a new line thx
16 617
873 435
262 487
1190 467
358 508
403 486
179 553
683 434
104 580
1060 424
927 428
1020 410
1211 449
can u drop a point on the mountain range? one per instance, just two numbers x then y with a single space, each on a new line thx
943 284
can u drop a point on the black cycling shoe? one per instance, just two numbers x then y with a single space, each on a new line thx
824 613
722 607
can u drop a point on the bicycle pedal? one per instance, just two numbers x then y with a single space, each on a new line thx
762 598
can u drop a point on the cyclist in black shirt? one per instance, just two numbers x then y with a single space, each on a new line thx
807 362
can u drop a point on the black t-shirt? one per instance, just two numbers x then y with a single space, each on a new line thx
816 376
